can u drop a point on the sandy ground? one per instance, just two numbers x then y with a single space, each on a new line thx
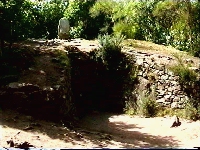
100 130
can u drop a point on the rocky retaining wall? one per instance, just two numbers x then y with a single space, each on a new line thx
154 76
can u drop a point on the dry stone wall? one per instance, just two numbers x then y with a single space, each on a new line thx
154 76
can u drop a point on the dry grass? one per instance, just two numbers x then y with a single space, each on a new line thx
150 47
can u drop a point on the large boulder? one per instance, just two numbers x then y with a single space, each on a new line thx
63 28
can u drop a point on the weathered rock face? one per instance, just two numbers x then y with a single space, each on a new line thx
155 77
44 90
63 28
46 102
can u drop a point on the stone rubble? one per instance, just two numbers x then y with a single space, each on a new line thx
167 87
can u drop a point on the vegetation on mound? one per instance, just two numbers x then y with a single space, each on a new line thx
181 69
61 58
188 79
140 20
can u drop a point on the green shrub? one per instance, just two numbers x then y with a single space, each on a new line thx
186 76
191 112
148 107
145 105
187 79
63 58
127 29
109 52
166 111
130 108
75 32
130 103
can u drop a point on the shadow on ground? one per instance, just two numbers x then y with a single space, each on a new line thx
125 134
98 129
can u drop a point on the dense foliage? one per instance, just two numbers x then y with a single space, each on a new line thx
22 19
165 22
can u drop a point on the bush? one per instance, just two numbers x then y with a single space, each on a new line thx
191 112
75 32
110 51
127 29
166 111
130 103
187 79
186 76
61 58
145 105
148 107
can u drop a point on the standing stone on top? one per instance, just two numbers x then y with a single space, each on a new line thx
63 28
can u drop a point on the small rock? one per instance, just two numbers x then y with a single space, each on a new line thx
167 96
170 89
31 69
28 128
174 105
162 100
140 62
36 136
194 69
56 87
164 77
167 104
176 99
48 88
189 60
13 85
42 72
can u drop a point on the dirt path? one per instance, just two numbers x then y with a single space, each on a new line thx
100 130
